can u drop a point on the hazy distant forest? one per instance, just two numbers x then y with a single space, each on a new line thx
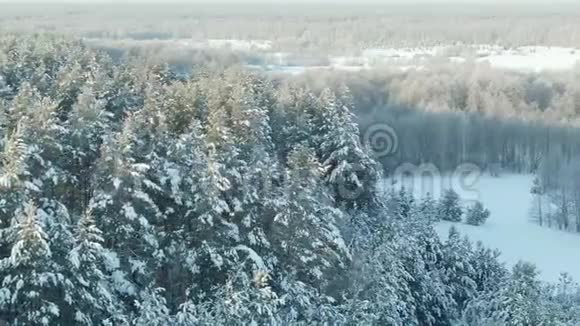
140 185
346 26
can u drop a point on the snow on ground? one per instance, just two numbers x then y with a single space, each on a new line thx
535 59
298 70
522 59
508 229
402 53
241 45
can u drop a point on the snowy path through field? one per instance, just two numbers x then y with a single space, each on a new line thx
509 230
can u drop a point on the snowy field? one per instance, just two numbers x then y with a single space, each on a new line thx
522 59
534 59
509 229
527 59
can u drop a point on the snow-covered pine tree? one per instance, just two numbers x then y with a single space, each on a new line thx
92 299
45 184
230 188
351 172
256 165
22 105
184 103
304 304
379 291
180 173
304 233
70 82
292 119
152 310
33 291
86 126
406 202
122 206
517 301
476 214
428 208
13 159
490 272
458 273
400 203
422 255
243 299
47 172
449 208
208 220
561 301
13 175
208 230
125 92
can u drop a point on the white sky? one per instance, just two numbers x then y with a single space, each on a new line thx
299 1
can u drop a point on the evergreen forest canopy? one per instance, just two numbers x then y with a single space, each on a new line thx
130 196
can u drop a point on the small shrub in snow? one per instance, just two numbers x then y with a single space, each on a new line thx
449 209
477 214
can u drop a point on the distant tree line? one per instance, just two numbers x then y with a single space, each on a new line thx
556 194
450 115
312 27
447 208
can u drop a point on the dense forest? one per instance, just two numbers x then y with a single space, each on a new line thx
310 27
130 196
441 113
452 115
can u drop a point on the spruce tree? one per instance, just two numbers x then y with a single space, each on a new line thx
152 309
32 292
430 299
380 285
449 208
305 236
352 172
14 159
477 214
489 271
93 298
406 202
22 105
428 208
517 301
458 272
13 176
86 128
122 206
